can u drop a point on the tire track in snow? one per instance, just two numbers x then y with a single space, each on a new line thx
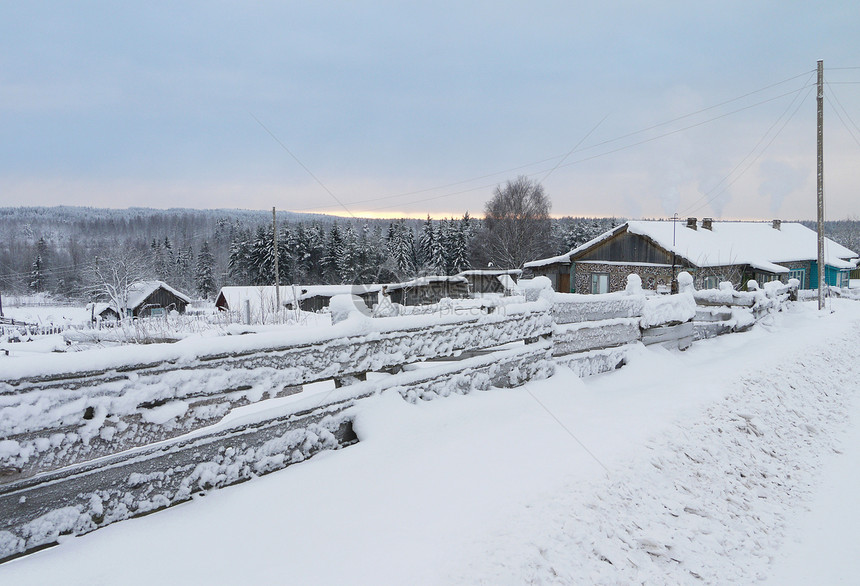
709 503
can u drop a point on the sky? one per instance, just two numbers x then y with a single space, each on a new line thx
390 109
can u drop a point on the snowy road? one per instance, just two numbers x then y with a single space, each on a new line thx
681 468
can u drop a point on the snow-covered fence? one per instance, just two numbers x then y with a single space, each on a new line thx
592 333
16 331
724 310
88 439
58 416
66 413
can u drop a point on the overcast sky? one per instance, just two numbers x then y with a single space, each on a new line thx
387 108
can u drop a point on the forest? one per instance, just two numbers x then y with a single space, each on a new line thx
52 250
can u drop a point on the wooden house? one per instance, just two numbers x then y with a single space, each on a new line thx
710 251
146 299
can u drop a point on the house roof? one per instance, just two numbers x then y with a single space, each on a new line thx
138 292
490 272
264 296
757 244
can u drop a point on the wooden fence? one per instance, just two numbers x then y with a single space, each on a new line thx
149 427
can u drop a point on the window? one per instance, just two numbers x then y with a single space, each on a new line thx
766 278
599 283
800 275
711 282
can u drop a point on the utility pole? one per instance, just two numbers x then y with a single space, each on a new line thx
277 275
821 272
674 284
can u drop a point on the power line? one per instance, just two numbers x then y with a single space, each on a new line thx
603 154
576 146
296 159
603 143
758 156
838 115
847 115
741 162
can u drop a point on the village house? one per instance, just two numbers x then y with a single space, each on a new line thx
145 299
263 300
710 251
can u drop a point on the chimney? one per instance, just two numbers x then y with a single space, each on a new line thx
707 223
777 224
691 223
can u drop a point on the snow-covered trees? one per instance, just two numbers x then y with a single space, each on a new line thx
37 275
345 252
49 249
204 279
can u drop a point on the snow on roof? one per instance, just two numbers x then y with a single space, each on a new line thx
565 258
507 282
757 244
138 292
263 297
490 272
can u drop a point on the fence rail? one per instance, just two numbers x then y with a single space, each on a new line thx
84 445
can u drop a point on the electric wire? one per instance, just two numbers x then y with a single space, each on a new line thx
838 115
741 162
758 156
545 160
603 154
576 146
303 166
847 115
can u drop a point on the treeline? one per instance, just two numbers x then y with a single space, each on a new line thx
343 253
198 251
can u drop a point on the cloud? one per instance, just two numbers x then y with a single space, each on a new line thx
780 180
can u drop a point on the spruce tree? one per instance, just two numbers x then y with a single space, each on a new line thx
204 279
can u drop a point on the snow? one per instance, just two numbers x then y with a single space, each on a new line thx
667 309
708 470
757 244
822 546
138 292
47 314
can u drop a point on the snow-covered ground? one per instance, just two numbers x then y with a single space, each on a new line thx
47 314
727 463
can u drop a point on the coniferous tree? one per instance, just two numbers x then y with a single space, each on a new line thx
204 279
460 247
426 242
239 265
436 262
333 252
263 257
38 278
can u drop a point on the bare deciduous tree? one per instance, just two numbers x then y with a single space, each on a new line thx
517 223
112 275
